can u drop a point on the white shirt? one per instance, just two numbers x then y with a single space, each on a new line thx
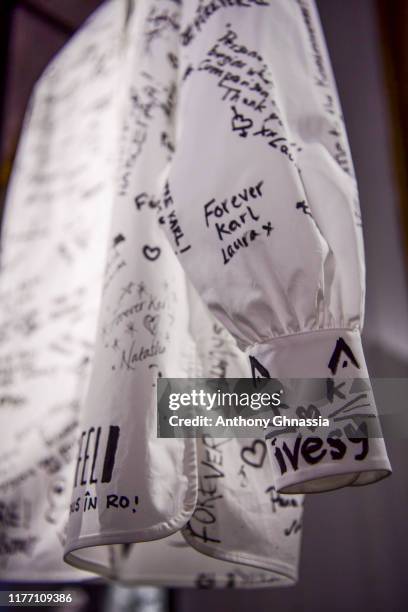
183 199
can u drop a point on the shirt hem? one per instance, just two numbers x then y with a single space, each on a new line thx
298 483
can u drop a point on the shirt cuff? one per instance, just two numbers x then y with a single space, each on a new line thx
350 451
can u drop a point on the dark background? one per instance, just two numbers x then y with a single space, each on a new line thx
355 541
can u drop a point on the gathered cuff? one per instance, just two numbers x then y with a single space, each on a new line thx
328 435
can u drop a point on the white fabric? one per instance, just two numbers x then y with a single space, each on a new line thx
146 121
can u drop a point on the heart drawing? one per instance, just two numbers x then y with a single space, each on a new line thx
151 253
151 323
255 454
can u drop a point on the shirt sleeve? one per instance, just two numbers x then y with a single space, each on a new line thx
260 204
